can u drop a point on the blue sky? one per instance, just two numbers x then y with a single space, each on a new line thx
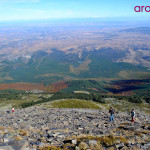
45 9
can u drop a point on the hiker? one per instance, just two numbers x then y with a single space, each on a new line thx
132 115
111 111
13 110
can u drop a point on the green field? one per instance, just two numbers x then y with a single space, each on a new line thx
96 64
73 103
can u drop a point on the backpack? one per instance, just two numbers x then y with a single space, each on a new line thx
132 113
111 111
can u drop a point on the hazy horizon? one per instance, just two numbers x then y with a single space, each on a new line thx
48 9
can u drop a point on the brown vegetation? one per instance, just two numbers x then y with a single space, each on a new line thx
22 86
56 86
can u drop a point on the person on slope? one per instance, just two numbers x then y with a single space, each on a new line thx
13 110
111 111
132 115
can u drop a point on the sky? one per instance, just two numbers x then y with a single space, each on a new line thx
46 9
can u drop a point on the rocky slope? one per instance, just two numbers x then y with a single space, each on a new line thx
41 128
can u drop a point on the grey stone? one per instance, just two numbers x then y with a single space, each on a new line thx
74 141
56 134
56 125
19 145
77 148
6 148
62 137
14 145
7 137
92 142
5 140
1 137
41 144
120 145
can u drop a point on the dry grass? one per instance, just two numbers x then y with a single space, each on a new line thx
2 128
49 147
56 86
125 106
104 140
23 132
145 132
84 92
22 86
96 146
18 138
83 146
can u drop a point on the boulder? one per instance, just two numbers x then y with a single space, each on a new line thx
74 142
6 148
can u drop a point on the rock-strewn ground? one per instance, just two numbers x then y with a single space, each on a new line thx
36 127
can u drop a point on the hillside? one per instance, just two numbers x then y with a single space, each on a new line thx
40 127
62 76
60 121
